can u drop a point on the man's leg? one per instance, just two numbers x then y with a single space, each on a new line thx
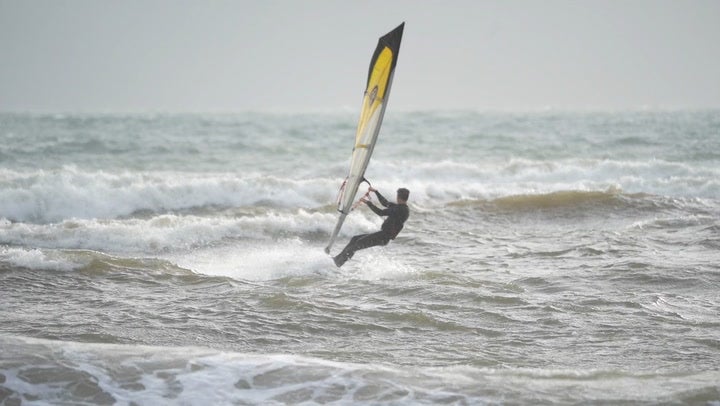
348 251
351 247
360 242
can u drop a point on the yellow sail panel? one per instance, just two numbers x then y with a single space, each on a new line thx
375 93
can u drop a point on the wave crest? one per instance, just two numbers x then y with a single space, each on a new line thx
611 198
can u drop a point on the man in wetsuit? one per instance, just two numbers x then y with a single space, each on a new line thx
396 214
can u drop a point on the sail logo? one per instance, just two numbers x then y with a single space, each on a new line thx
373 94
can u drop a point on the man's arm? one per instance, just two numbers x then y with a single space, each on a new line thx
377 210
382 199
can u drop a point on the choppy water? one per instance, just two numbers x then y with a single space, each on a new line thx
549 258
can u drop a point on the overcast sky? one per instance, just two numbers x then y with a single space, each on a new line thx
313 55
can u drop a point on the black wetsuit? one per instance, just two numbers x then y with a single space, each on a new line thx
396 216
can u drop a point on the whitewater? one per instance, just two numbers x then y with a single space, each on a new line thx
549 258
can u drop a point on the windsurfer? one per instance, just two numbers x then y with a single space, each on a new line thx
397 214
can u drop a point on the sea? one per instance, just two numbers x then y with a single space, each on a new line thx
550 257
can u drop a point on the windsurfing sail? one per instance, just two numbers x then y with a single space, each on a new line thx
377 92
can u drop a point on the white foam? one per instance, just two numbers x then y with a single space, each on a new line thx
36 259
255 261
169 232
51 196
378 264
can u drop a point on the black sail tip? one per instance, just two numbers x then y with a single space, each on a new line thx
390 40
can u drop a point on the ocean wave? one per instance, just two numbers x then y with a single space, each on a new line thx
448 180
69 372
47 196
265 246
52 196
168 232
87 262
572 201
36 259
560 199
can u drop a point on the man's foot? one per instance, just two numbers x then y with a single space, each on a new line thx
341 258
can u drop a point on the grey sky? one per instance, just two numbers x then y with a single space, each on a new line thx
228 56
